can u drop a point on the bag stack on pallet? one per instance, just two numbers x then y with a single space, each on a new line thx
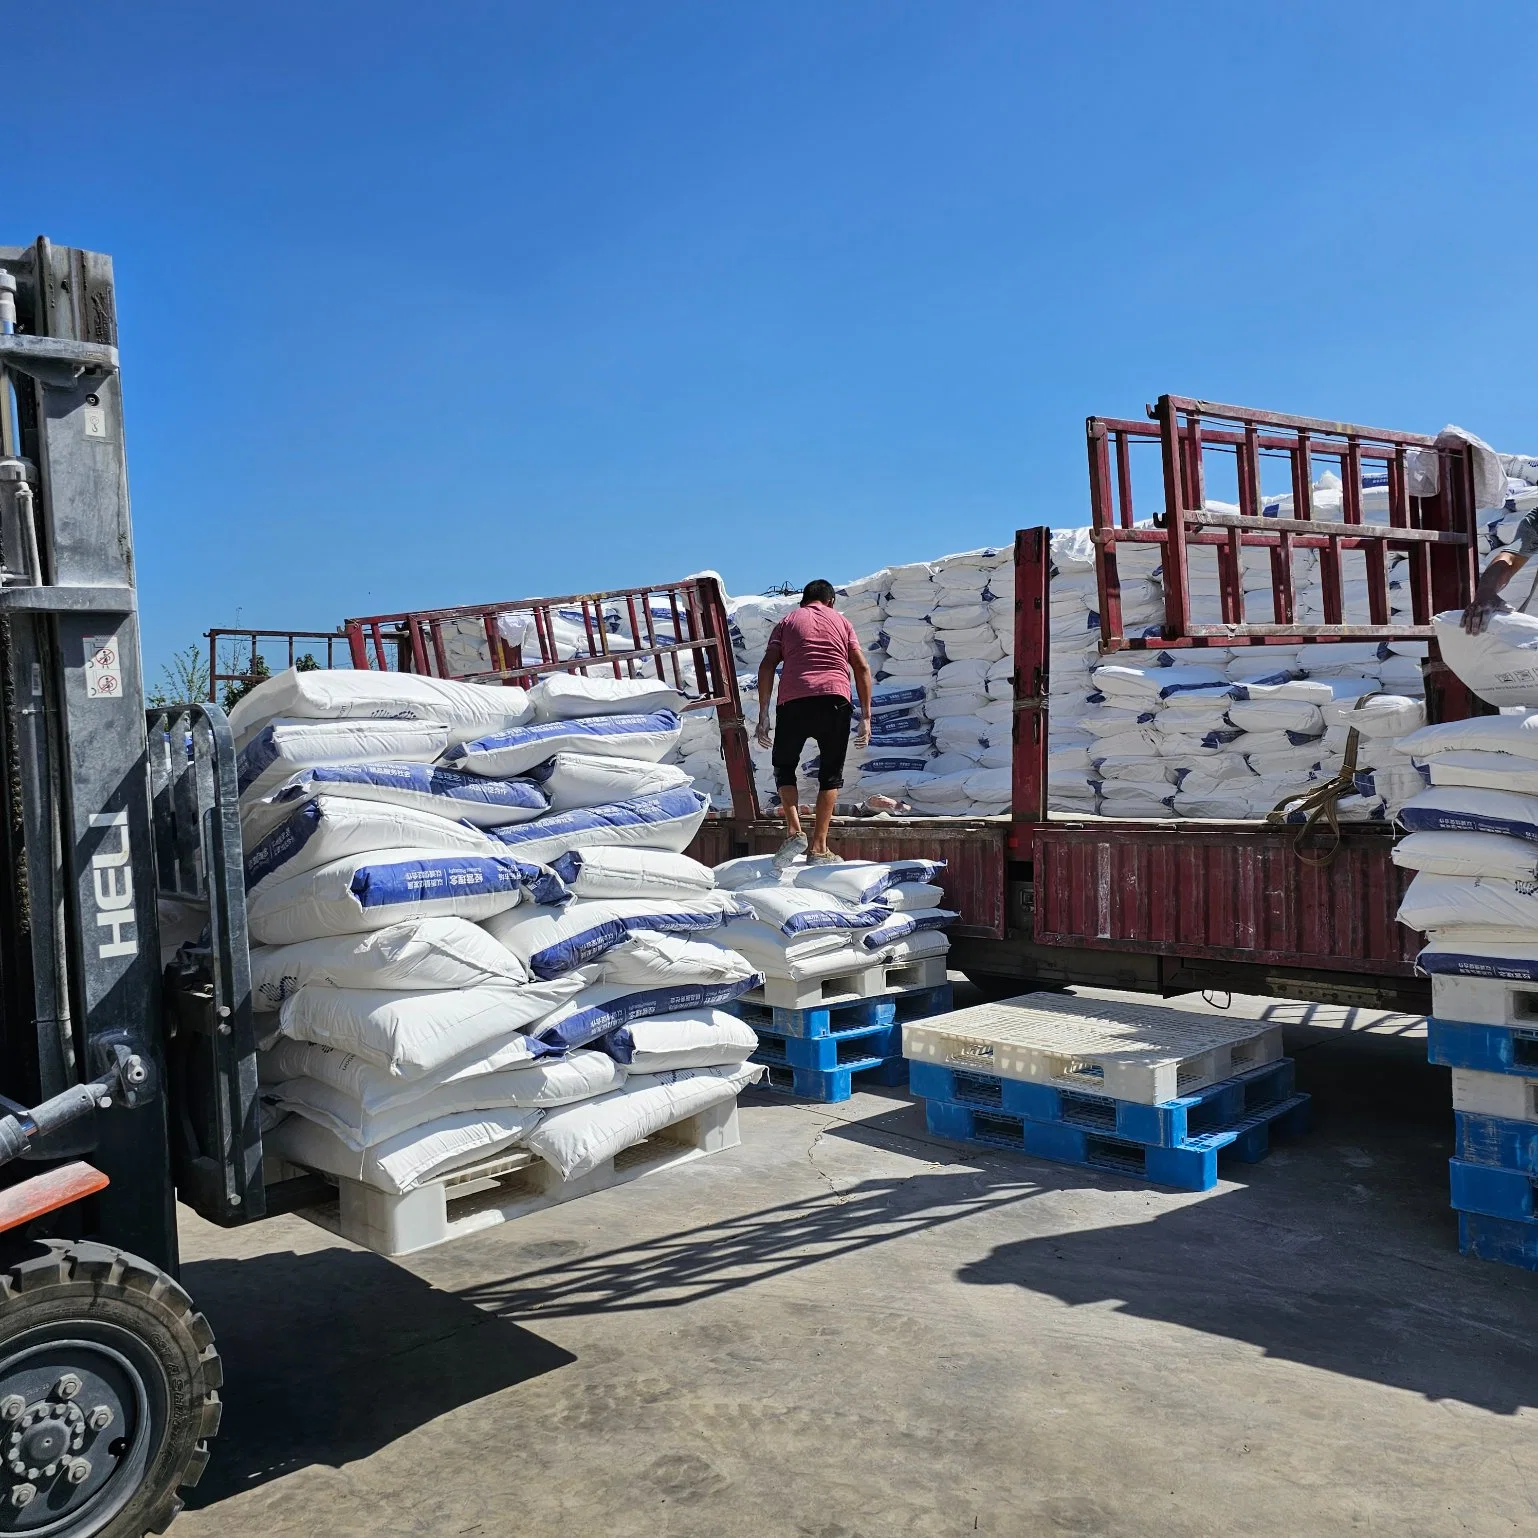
847 951
475 928
1472 840
1135 1089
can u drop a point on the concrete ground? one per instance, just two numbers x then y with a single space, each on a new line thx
844 1329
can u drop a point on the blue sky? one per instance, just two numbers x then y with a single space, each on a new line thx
424 306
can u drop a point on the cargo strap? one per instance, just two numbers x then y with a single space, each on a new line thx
1322 803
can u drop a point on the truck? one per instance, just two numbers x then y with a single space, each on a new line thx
1046 900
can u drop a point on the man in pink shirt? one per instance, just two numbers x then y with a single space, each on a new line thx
816 649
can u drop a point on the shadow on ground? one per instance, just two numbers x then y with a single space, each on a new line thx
331 1355
1339 1251
1324 1297
708 1259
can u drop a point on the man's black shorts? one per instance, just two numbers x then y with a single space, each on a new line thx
823 716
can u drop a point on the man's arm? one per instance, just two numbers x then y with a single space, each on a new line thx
1504 565
766 671
862 685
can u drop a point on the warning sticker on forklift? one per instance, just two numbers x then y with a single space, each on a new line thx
103 670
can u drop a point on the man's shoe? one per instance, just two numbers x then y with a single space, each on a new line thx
827 857
790 851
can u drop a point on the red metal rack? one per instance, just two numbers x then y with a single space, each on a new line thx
1438 533
257 642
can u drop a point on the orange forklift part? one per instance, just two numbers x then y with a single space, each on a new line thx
48 1192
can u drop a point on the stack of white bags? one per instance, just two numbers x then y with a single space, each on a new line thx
474 926
1472 840
817 921
1472 836
939 638
606 630
1181 740
1226 733
1218 733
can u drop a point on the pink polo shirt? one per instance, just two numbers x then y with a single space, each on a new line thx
817 644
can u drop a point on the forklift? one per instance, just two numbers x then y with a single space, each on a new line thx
126 1081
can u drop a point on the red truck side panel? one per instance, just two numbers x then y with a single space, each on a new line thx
1224 893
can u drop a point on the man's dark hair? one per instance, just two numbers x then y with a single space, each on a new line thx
819 591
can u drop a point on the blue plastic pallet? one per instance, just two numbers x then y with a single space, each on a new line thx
834 1084
1497 1141
1512 1243
828 1052
826 1020
1488 1189
1485 1048
1193 1166
921 1003
1167 1125
856 1014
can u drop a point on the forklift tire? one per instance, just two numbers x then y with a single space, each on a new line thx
108 1393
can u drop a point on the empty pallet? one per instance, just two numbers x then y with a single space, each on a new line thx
834 1084
1485 1000
872 980
1492 1191
1481 1047
838 1050
1190 1166
1512 1242
1149 1053
1495 1094
830 1019
1169 1125
502 1188
1494 1140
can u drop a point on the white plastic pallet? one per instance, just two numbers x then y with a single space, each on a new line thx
867 982
1495 1094
502 1188
1148 1053
1485 1001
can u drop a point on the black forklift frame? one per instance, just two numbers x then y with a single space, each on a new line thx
83 1036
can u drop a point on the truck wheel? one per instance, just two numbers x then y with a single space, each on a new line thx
108 1392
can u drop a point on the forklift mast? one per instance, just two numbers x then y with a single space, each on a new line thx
79 938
